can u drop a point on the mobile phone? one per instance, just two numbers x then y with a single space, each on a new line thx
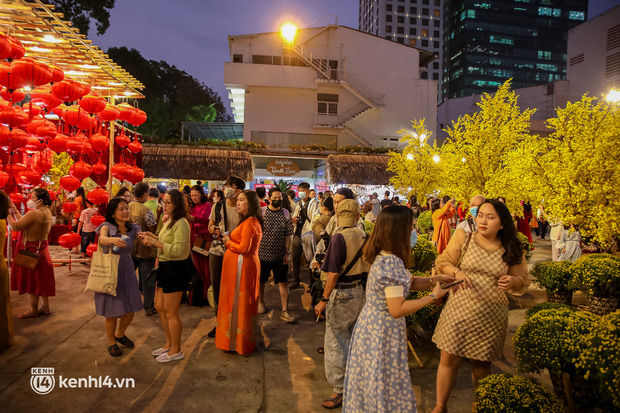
452 284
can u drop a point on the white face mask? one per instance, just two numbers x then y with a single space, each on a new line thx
229 193
303 195
31 204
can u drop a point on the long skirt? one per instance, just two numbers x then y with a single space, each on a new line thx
39 281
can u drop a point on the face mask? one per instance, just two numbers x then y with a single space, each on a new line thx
31 204
229 193
413 239
474 211
276 203
303 195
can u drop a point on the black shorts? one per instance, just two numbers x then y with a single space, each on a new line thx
173 276
279 269
87 239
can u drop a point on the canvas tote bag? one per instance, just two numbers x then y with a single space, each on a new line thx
103 275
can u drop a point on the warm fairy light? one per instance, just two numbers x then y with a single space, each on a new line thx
51 39
410 157
436 158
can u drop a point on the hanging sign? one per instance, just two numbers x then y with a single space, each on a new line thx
283 167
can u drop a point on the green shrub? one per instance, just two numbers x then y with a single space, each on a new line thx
425 222
526 245
423 255
599 275
553 276
546 306
505 393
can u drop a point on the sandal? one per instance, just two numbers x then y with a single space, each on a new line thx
115 351
337 401
125 341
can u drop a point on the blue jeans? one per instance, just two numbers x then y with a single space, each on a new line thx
145 266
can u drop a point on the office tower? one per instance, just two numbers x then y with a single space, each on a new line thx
487 42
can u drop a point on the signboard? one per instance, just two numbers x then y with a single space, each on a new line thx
283 167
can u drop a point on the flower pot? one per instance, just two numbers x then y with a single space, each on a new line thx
602 305
562 297
576 392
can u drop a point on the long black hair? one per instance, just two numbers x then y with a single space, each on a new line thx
111 209
4 205
180 210
391 233
44 196
254 209
203 197
513 254
78 192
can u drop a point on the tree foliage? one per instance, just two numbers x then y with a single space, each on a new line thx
170 94
82 12
475 159
416 173
202 113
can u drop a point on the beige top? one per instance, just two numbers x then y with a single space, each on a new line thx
36 224
450 256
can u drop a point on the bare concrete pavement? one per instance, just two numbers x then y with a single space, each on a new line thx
285 374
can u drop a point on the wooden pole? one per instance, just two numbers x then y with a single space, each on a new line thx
111 159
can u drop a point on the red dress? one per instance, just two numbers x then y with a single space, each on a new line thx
238 306
40 281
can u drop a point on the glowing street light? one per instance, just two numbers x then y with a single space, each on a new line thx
289 32
613 96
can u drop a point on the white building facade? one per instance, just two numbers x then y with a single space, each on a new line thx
332 86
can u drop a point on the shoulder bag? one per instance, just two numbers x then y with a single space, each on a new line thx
103 276
28 259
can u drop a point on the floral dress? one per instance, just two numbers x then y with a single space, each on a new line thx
377 377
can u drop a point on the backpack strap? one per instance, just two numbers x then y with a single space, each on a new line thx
354 260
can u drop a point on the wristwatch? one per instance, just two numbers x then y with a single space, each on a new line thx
324 300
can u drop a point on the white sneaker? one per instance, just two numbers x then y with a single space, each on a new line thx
285 316
160 351
166 357
261 307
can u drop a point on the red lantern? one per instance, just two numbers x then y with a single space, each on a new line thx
110 113
59 143
18 51
46 131
34 145
93 104
99 142
13 169
135 146
32 110
34 124
69 183
13 117
99 168
121 171
29 178
97 220
136 175
91 248
16 197
32 72
43 161
57 74
74 115
85 88
122 140
98 196
69 207
87 123
68 90
74 146
15 96
126 111
80 170
8 78
15 139
46 97
138 118
5 46
70 240
4 179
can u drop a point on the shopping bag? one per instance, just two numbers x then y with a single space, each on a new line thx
103 275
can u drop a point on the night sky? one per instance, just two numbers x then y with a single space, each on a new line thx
193 34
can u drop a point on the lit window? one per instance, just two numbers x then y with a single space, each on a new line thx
576 15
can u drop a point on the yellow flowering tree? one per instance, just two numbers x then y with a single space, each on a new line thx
475 157
415 170
575 168
60 167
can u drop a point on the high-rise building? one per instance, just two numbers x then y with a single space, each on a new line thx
415 23
487 42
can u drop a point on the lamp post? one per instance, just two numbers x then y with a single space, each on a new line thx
288 32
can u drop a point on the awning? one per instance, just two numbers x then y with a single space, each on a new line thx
358 169
222 131
190 163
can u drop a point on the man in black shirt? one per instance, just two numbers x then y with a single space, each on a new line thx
386 201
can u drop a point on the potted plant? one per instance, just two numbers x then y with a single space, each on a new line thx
553 339
526 245
546 306
423 256
601 359
505 393
555 277
425 222
598 277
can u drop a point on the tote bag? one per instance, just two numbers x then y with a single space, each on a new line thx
103 275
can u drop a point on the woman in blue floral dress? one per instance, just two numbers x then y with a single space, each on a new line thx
377 377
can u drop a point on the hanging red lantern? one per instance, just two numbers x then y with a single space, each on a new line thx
5 136
14 139
121 171
34 124
8 78
74 146
59 143
92 103
135 146
126 111
138 118
46 131
135 175
99 168
32 72
52 195
69 207
70 240
4 179
80 170
29 178
43 161
97 220
17 50
34 145
98 196
46 97
68 90
13 169
74 115
32 110
110 113
15 96
87 123
5 46
90 250
69 183
13 117
122 140
57 74
16 197
99 142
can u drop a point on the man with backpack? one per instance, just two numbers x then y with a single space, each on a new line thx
273 250
343 296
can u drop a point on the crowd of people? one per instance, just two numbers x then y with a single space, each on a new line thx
235 240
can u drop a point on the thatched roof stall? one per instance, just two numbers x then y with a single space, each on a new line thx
358 169
191 163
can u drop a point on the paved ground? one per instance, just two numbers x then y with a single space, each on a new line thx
285 374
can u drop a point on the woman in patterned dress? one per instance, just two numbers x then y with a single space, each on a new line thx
119 310
377 376
474 321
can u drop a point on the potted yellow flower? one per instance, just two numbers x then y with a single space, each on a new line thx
555 277
598 276
505 393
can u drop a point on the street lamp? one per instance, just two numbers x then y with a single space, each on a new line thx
289 32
